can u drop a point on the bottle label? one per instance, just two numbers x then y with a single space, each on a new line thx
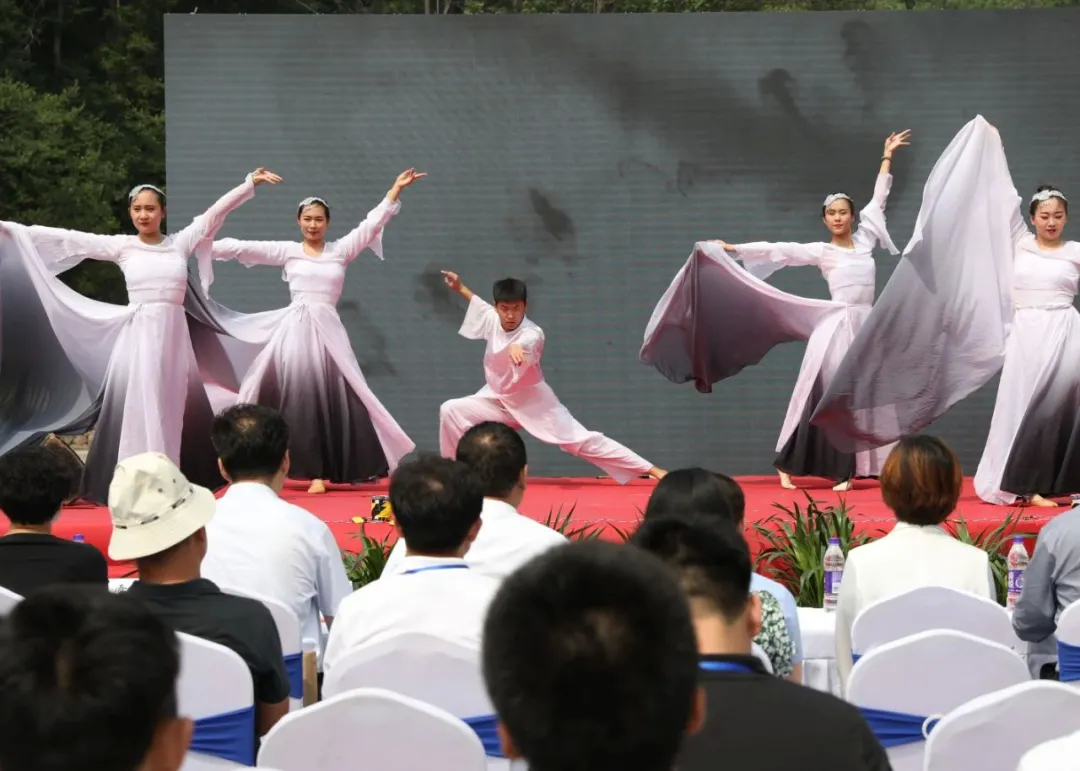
1016 581
832 581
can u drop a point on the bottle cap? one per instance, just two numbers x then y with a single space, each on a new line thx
1018 539
78 538
834 540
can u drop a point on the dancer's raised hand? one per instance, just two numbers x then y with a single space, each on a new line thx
453 280
261 176
896 140
407 177
723 245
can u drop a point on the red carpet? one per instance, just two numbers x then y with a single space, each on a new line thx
594 502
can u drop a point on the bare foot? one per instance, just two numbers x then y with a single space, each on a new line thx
657 473
1038 500
317 487
785 480
844 486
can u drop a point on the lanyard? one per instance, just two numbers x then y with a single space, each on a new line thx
435 567
725 666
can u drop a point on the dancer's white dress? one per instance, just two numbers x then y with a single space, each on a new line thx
972 295
712 322
138 358
1030 449
520 397
305 366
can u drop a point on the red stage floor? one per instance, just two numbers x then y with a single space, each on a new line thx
595 502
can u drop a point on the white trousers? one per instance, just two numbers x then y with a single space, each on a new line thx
537 410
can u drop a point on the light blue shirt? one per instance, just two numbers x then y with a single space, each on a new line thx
759 583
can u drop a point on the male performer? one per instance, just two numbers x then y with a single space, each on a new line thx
516 393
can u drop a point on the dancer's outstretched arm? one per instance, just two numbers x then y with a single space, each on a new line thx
369 232
203 228
63 249
872 229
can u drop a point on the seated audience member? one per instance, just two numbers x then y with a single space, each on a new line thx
260 543
159 520
921 482
88 681
1051 584
436 504
753 722
496 454
34 483
591 663
698 491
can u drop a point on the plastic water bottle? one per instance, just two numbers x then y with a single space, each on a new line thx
1018 562
78 538
834 572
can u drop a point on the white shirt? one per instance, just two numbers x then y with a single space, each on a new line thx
438 596
504 377
909 557
505 542
259 543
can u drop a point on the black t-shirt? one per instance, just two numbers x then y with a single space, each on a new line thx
200 609
29 561
757 722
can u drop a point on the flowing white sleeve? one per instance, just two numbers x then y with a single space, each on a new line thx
199 235
762 258
61 249
247 253
368 234
872 227
716 318
480 320
938 331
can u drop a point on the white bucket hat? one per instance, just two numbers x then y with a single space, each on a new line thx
154 506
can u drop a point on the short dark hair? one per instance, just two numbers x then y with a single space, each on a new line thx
435 502
697 491
510 290
496 454
251 440
590 659
707 553
86 678
34 483
921 480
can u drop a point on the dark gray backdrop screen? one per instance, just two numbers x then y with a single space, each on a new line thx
586 154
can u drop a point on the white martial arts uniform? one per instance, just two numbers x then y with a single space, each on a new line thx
519 397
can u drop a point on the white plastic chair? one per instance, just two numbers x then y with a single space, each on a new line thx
439 672
993 732
371 728
927 608
8 600
214 680
929 674
288 627
1055 755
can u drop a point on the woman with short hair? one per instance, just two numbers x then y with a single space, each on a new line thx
921 482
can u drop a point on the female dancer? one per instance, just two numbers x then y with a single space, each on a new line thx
977 292
139 357
743 319
306 367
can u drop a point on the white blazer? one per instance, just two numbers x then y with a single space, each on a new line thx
909 557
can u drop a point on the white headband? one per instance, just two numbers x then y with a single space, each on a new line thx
310 200
836 197
139 188
1046 195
